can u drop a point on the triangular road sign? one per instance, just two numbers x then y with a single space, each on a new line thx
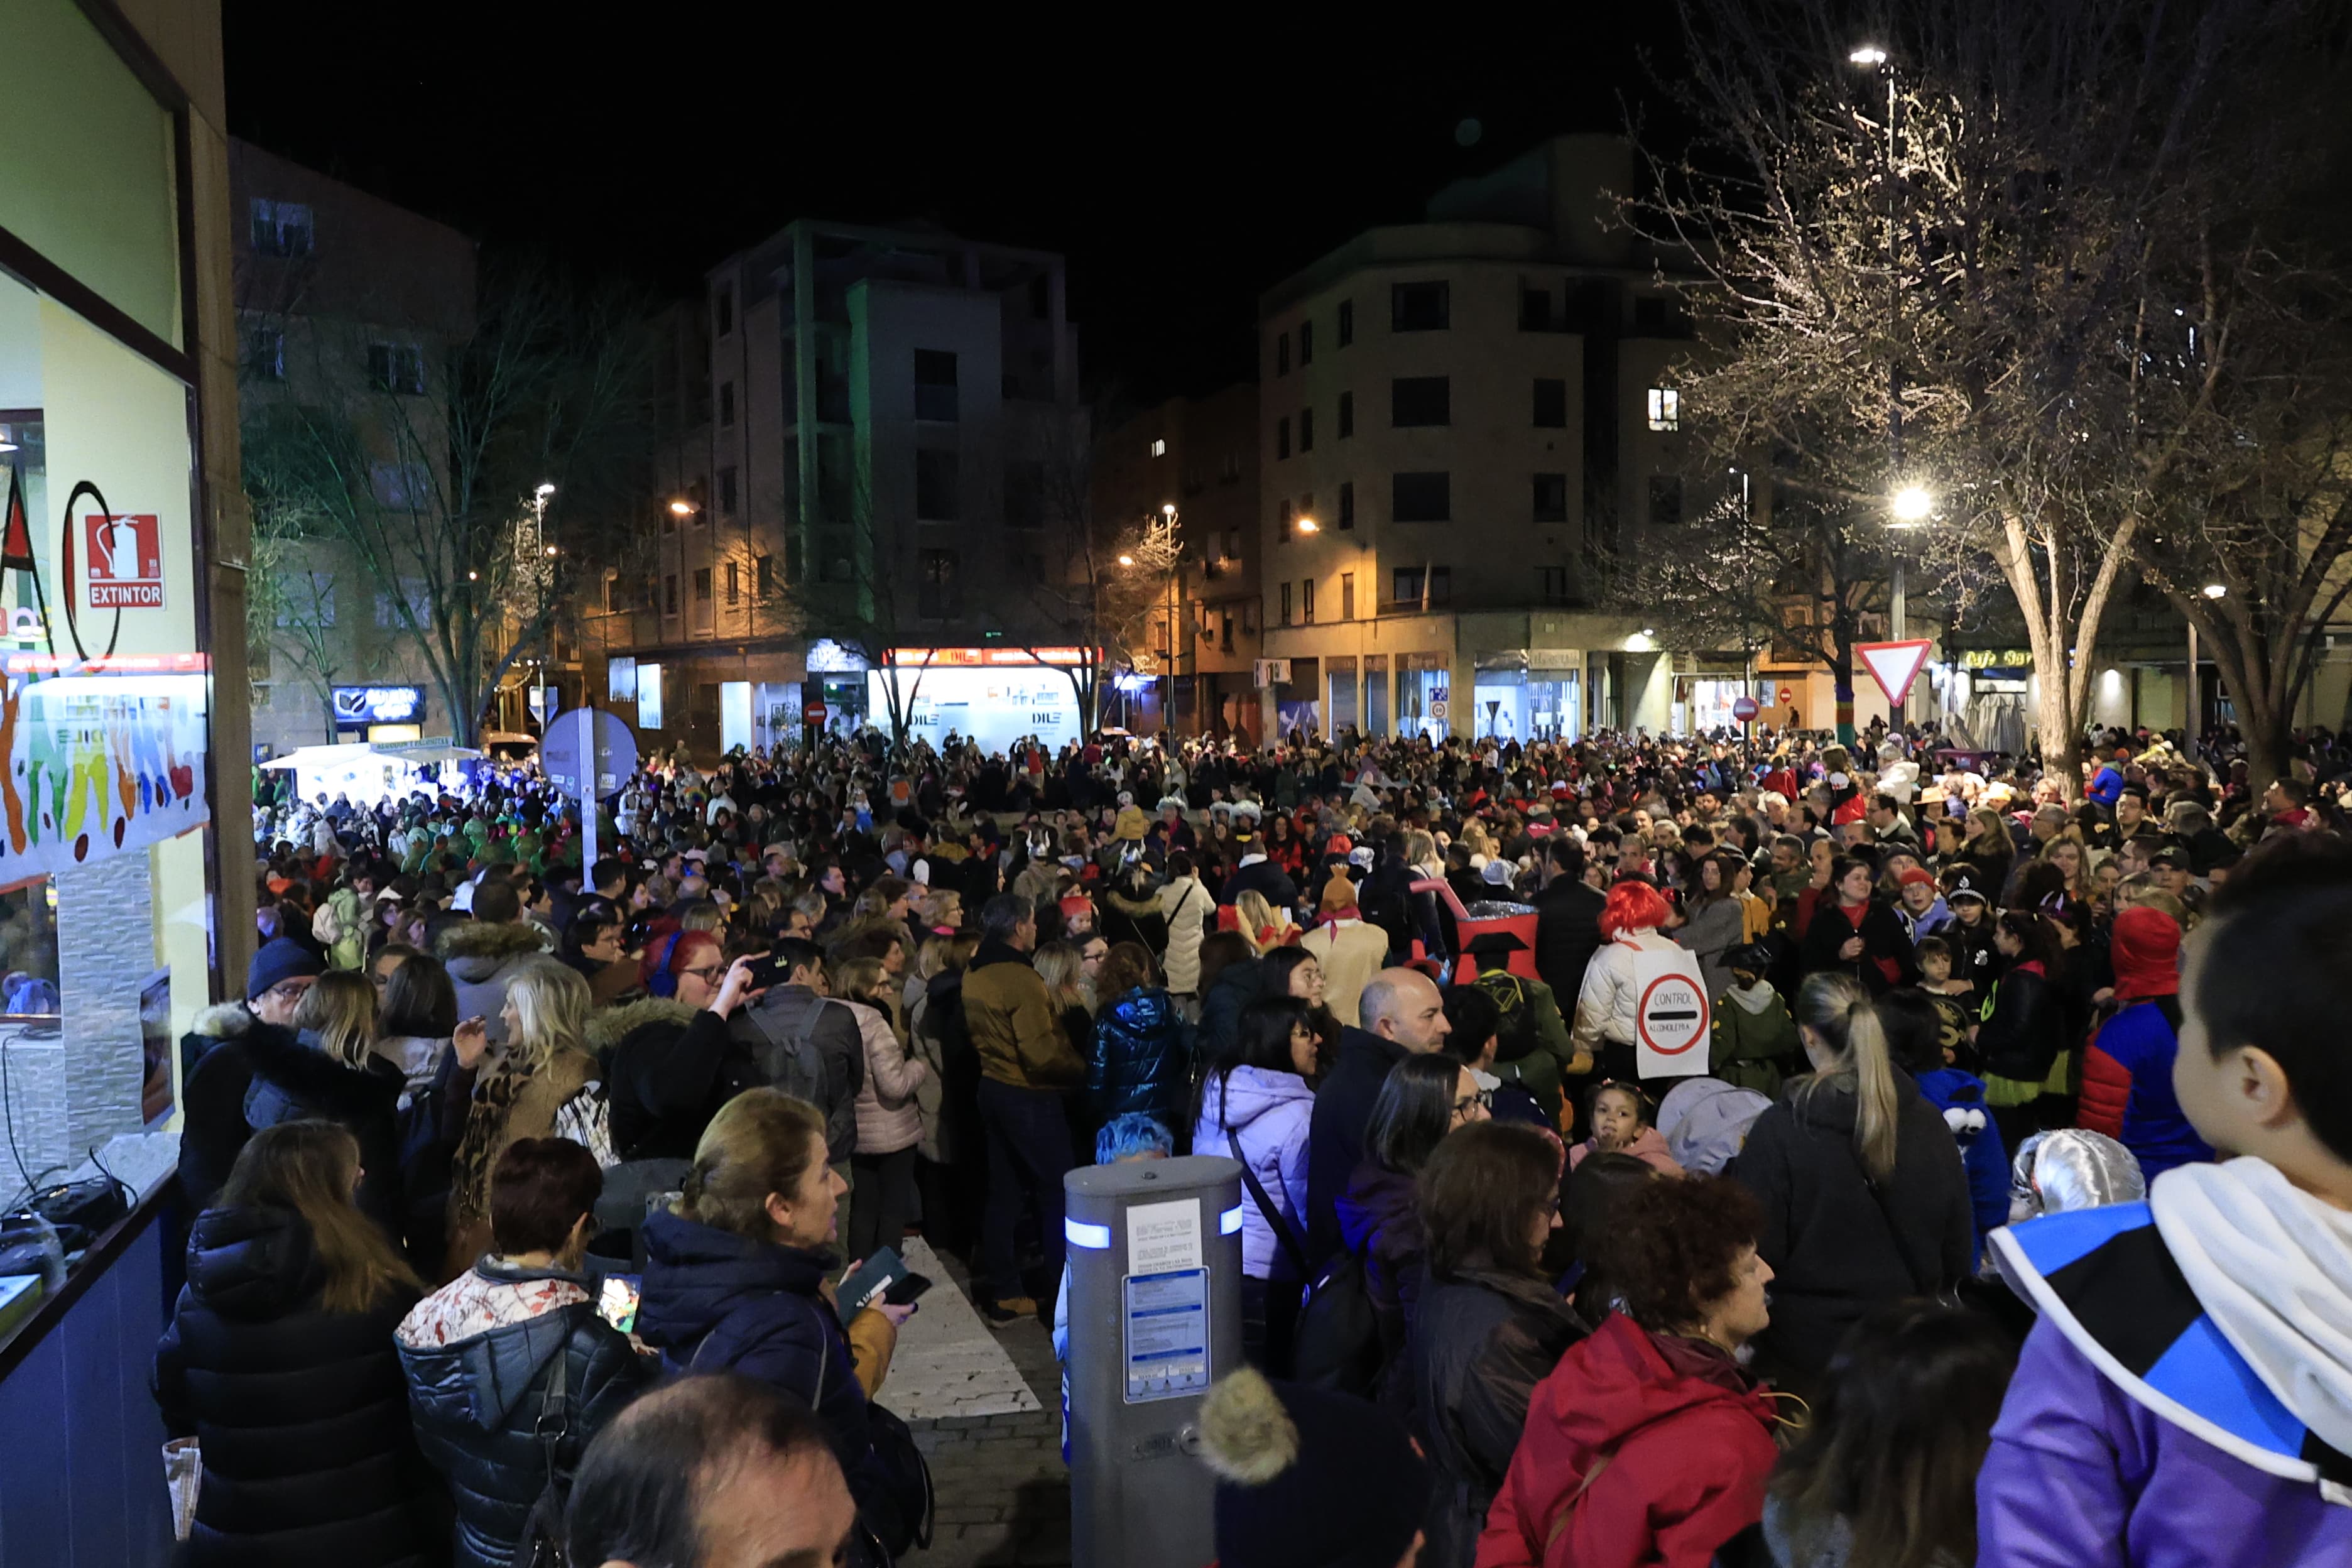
16 535
1894 665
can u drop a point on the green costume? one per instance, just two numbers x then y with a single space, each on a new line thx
1753 1038
1532 1025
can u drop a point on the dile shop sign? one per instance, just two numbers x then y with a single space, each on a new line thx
356 707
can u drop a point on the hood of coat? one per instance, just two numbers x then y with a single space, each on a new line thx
1621 1380
1144 906
317 1079
608 1027
1832 1107
1247 1093
476 950
1242 976
1146 1010
226 1021
697 1276
479 1379
252 1263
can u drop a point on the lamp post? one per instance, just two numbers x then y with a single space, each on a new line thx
546 551
2195 724
1911 504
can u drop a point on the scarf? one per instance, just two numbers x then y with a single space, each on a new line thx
2271 1266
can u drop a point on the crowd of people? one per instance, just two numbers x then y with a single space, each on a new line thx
1842 1292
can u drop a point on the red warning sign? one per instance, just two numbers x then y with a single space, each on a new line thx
124 562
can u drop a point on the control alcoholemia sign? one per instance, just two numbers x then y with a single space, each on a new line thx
1164 1311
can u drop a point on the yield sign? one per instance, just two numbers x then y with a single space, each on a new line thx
1894 665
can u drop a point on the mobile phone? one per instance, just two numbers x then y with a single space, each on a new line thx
860 1290
904 1292
765 972
616 1301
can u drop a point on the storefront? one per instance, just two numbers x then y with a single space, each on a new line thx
994 696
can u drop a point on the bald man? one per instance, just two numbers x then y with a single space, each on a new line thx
1402 1015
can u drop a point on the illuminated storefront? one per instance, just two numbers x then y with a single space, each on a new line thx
991 695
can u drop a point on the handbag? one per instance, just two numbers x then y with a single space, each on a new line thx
541 1545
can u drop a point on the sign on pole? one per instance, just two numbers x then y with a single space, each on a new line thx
1744 710
1894 665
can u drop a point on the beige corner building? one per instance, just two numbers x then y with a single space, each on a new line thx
1461 421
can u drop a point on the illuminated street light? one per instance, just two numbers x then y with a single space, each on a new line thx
2216 590
681 509
1168 510
1127 560
544 491
1868 54
551 549
1912 504
1308 525
473 576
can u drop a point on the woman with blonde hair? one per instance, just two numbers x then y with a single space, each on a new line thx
329 1071
1261 926
890 1124
1863 1202
542 1083
280 1362
738 1278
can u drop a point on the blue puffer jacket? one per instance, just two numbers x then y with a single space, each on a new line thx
477 1403
715 1302
1142 1059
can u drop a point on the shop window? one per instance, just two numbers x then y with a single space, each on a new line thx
397 368
281 228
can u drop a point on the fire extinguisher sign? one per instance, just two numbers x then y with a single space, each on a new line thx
122 561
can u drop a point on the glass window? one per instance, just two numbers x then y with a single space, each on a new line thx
1665 408
1421 498
1418 308
1551 403
1419 400
1347 322
935 385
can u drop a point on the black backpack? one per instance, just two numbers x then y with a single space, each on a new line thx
1514 1031
1337 1342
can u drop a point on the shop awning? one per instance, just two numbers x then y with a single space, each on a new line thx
425 753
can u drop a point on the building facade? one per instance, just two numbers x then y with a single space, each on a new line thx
346 306
890 413
1461 422
1199 455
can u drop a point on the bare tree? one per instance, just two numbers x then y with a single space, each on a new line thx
291 614
1939 273
423 475
864 591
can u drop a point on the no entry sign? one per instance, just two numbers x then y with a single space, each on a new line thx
1744 710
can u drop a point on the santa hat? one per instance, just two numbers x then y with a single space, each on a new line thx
1851 811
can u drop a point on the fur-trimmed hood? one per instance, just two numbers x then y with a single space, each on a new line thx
476 950
608 1027
226 1021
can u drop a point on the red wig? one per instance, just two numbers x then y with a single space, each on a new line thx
1634 905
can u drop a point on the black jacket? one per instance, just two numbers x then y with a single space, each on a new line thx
1266 878
1481 1341
668 1069
303 1413
1838 1243
1343 1108
1235 987
2026 1029
477 1403
1567 933
1884 937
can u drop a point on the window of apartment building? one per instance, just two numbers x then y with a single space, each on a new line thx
1421 498
1282 353
734 584
281 228
1249 617
1347 503
401 486
1225 632
1420 400
1347 322
1535 309
1306 344
764 576
1282 436
1551 582
935 385
726 493
1285 602
1405 584
1347 415
1307 429
1346 595
1159 448
726 404
1041 297
938 589
669 595
265 353
1229 472
1665 408
1024 494
1418 307
722 310
396 367
1551 403
1307 601
1552 498
1653 313
935 486
795 562
1665 500
702 584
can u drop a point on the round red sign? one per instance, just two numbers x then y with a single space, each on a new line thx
1744 710
1672 1016
811 712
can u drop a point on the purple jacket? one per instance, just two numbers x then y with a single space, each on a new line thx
2079 1476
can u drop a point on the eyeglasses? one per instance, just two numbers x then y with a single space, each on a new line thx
1482 1100
709 971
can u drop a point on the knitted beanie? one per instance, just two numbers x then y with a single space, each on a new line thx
1308 1478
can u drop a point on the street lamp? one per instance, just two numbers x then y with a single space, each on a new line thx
1911 505
1127 560
1307 525
2215 591
681 509
1868 54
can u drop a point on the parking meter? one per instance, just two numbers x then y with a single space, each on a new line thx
1155 1250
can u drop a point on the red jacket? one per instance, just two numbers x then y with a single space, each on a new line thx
1689 1441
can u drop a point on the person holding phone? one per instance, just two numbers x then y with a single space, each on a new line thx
670 1061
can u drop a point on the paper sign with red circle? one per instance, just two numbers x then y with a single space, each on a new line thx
1671 1017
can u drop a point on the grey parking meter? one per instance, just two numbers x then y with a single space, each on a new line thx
1155 1318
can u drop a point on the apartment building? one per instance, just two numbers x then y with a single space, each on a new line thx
346 304
1199 455
884 412
1461 423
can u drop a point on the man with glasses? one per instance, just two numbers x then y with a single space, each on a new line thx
216 1069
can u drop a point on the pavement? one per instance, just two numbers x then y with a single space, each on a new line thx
985 1405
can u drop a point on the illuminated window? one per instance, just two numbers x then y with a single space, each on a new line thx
1665 408
1160 448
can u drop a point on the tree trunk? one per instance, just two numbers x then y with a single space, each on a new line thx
1842 685
2060 732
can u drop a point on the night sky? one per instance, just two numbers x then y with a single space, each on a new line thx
1181 173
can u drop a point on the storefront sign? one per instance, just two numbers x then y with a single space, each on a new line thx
981 657
98 765
356 707
124 558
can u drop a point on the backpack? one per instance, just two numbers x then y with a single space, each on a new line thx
1515 1032
327 924
1337 1345
794 1065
